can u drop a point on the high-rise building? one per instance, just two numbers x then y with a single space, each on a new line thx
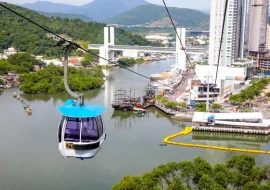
242 29
236 31
268 37
258 27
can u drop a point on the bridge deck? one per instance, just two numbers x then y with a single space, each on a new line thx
146 48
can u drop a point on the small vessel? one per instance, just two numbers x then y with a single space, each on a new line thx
18 96
29 110
15 94
25 105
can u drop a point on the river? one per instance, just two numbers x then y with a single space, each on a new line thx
30 159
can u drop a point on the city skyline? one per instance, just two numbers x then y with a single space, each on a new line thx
194 4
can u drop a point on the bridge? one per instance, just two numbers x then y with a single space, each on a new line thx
107 49
192 50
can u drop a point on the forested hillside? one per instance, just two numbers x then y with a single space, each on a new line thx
26 37
154 14
69 16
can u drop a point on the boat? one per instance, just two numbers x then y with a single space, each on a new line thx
119 95
29 110
25 105
15 94
243 122
124 102
149 93
126 106
18 96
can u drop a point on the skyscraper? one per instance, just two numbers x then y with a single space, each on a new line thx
243 28
258 26
236 31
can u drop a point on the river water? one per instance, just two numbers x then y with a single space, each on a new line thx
30 159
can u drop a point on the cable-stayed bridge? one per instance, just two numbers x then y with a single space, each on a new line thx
107 49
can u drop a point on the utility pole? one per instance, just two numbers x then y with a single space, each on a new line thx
207 99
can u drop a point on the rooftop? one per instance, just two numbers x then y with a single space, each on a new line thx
203 116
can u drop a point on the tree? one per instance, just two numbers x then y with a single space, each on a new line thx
79 53
207 182
1 81
216 106
187 171
239 172
50 80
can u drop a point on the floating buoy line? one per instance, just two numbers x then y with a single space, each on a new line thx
188 130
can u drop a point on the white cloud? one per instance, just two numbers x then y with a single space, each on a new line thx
193 4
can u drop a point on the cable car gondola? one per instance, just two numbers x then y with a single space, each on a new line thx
81 129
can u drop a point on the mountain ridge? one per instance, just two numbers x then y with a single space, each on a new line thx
150 13
69 16
97 10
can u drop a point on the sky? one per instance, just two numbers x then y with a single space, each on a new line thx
193 4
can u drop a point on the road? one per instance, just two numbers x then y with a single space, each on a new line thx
182 86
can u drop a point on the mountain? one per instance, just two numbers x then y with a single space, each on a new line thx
69 16
97 10
49 7
26 37
104 9
207 11
150 14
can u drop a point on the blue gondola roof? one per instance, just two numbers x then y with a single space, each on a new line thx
72 108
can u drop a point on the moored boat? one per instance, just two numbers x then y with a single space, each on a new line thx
29 110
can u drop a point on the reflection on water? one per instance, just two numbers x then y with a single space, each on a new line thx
234 137
29 143
123 119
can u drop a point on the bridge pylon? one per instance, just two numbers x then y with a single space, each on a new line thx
180 49
104 51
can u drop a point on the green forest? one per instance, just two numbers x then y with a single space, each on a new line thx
26 37
239 173
50 80
130 61
19 63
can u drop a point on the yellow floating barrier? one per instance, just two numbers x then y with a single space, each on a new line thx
238 149
185 144
202 146
189 130
171 142
220 148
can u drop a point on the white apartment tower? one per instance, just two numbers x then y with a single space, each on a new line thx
268 37
236 31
